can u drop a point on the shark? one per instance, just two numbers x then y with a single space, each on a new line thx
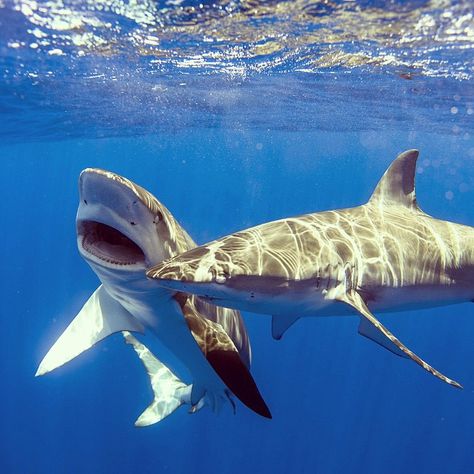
169 391
122 230
386 255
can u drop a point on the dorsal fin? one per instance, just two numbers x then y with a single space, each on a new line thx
397 185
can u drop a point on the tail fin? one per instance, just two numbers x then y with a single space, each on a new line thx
169 391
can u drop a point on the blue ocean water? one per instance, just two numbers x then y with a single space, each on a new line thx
232 114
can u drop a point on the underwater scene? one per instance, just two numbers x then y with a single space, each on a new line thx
238 236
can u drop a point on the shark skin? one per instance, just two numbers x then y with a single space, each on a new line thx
384 256
169 392
122 230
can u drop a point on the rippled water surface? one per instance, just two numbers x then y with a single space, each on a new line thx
102 68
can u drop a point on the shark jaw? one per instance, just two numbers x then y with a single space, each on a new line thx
209 291
116 229
261 295
106 245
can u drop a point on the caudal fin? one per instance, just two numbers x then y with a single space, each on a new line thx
169 391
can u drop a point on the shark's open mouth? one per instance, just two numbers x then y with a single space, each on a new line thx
109 244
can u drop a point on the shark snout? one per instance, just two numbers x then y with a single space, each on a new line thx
181 272
119 223
197 266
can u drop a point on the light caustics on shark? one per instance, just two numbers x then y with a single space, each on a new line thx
170 392
121 231
386 255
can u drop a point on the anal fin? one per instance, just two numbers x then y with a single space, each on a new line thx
100 316
354 299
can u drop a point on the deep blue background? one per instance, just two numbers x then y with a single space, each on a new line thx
340 404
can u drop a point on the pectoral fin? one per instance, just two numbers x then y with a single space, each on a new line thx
98 318
236 376
280 325
224 358
354 299
368 330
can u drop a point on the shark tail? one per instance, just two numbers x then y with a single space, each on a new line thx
169 391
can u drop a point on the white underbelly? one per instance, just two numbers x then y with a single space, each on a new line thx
160 313
417 297
315 304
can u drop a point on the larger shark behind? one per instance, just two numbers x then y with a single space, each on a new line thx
386 255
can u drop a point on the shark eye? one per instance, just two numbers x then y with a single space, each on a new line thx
218 276
158 217
221 278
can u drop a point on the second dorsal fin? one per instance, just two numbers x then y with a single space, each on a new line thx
397 185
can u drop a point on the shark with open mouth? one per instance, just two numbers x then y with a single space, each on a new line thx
386 255
122 230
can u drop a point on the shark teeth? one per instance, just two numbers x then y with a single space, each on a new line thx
110 245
